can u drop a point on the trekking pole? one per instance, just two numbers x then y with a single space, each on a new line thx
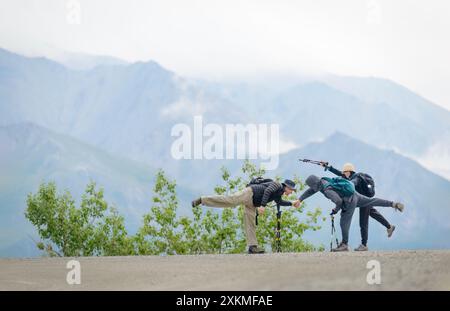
333 234
313 162
278 230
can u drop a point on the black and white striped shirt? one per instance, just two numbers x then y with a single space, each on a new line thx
267 192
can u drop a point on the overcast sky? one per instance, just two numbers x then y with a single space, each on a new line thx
403 40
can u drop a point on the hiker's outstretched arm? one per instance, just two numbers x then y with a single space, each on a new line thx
333 170
268 192
284 202
307 194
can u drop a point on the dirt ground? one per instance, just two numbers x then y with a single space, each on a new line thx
399 270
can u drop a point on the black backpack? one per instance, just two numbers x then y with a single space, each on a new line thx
366 185
258 181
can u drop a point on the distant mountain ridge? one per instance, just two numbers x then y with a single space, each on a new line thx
136 101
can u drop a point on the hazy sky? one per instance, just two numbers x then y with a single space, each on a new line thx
403 40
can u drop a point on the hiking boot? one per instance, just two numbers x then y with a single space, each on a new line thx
341 248
196 202
390 231
361 248
253 249
398 206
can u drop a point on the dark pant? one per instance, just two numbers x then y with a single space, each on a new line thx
364 214
349 205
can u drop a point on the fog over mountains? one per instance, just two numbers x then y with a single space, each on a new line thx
112 123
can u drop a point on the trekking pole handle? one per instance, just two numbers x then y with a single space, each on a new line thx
313 162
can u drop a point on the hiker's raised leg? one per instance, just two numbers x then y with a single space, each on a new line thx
232 200
364 201
378 217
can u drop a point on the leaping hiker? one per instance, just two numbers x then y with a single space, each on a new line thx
343 194
363 185
258 193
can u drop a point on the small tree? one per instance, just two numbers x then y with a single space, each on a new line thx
91 229
194 237
113 239
160 232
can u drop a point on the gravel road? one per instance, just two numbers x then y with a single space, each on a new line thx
400 270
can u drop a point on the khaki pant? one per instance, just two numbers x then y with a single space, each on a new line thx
244 197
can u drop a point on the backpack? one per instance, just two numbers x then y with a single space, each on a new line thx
258 181
342 186
366 185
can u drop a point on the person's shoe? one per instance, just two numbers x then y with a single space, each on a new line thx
253 249
341 248
398 206
361 248
390 231
196 202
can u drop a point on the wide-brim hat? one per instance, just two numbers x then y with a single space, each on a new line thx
289 184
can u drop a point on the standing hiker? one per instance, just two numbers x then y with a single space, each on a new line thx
342 193
255 196
365 187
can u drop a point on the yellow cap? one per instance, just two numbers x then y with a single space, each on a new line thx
348 167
